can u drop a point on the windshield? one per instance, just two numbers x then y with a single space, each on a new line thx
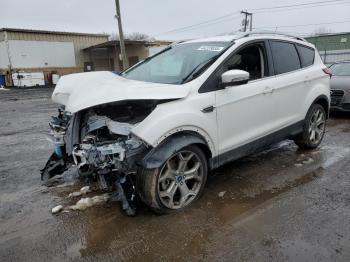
341 69
177 64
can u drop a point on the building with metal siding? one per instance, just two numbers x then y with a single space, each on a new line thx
29 49
332 47
62 53
106 56
80 40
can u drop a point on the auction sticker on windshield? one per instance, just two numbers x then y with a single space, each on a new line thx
210 48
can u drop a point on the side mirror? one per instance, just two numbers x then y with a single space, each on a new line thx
234 78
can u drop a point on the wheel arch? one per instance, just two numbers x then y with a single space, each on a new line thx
324 102
159 154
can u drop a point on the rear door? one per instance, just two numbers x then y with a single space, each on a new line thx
291 83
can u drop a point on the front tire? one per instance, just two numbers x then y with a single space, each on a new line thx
177 183
314 128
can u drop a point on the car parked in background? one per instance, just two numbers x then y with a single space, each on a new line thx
340 86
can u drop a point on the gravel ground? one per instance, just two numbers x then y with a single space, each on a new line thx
282 204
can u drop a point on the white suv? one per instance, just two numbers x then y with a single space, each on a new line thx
158 129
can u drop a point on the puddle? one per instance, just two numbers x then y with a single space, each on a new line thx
31 232
337 155
149 236
247 183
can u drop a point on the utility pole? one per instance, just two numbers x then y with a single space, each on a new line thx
246 21
251 22
121 36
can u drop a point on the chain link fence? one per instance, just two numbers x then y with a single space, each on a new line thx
333 56
332 47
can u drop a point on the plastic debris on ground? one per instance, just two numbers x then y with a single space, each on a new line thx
83 191
308 161
221 194
56 209
86 202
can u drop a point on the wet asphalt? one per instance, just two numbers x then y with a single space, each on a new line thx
282 204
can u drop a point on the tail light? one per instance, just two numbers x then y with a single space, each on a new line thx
327 71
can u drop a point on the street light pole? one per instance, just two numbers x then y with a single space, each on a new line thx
121 36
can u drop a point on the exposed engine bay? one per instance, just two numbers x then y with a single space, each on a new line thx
106 144
100 143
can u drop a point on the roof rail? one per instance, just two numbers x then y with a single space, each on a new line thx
246 34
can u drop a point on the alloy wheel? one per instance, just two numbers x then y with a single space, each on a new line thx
317 126
180 179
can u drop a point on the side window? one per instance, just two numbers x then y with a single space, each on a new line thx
285 57
307 55
251 59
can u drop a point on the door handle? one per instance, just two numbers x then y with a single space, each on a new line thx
208 109
268 90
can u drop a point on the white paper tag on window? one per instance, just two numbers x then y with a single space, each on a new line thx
210 48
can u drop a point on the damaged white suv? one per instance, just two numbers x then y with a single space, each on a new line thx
154 132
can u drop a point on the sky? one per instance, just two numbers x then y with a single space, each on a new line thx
159 18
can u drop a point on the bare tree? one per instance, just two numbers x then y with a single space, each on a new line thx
113 36
139 37
132 36
322 31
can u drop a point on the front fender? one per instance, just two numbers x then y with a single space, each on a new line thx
184 115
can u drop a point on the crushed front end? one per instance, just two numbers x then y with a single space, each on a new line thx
99 141
58 161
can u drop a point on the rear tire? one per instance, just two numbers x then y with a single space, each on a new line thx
177 183
314 128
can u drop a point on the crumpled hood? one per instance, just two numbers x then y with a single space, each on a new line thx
84 90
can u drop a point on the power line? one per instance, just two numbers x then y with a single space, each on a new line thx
304 4
260 10
218 22
196 27
298 8
285 26
204 23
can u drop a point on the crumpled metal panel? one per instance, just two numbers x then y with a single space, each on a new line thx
96 122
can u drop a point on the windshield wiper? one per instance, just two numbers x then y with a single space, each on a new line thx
199 69
204 65
160 52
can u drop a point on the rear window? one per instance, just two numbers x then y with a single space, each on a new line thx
307 55
285 57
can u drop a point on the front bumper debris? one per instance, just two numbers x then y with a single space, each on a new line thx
57 162
108 153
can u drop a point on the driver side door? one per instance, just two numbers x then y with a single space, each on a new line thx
246 113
